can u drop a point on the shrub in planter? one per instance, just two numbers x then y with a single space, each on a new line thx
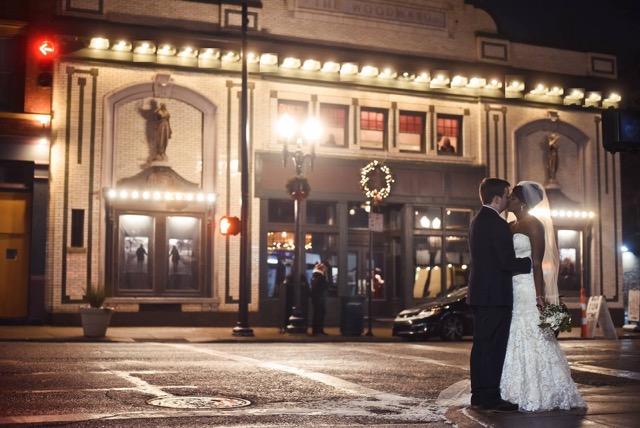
95 317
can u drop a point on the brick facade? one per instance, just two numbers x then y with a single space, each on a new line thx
121 136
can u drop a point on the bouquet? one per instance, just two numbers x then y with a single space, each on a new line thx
555 318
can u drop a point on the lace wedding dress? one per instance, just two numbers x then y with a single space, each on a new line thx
535 375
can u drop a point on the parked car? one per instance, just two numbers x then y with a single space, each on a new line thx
448 316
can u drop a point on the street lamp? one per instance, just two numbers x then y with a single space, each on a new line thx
305 136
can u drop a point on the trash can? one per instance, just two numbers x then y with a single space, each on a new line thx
352 316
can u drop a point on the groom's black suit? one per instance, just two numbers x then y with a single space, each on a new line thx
493 263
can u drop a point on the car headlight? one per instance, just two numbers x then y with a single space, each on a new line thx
426 313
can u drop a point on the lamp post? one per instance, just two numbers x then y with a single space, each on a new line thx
242 328
298 189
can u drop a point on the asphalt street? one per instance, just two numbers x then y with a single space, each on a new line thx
285 384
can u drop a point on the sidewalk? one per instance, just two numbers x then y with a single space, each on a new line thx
46 333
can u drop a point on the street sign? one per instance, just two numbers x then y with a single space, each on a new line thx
598 316
634 305
376 222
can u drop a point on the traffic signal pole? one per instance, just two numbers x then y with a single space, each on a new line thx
242 328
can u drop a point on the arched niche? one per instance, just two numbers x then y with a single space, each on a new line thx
531 155
127 131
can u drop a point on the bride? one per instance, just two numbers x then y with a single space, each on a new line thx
535 374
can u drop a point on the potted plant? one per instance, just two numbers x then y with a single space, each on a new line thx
95 317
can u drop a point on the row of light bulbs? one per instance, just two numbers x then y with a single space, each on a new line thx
450 266
440 79
150 195
564 213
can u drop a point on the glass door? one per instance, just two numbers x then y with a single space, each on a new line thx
158 254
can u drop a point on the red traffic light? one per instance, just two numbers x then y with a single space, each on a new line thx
229 225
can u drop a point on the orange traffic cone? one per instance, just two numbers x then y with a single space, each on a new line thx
583 306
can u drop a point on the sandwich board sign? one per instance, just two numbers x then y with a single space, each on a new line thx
598 316
376 222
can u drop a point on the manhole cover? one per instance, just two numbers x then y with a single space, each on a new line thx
199 402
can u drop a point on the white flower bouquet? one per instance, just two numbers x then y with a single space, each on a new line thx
555 318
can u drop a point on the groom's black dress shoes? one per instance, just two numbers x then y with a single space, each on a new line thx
501 406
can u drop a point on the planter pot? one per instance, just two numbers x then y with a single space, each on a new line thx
95 321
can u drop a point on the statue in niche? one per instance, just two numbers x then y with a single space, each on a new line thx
163 132
552 158
157 130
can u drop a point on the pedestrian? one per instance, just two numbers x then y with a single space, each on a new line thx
175 258
318 296
140 255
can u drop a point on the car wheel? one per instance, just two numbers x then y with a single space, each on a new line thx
451 328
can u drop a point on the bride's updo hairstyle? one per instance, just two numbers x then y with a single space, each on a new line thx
529 193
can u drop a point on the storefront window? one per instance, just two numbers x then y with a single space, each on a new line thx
570 272
280 258
136 252
457 262
428 218
428 269
281 211
183 254
323 247
457 219
358 215
319 212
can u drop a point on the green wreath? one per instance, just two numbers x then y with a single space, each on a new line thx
298 187
367 174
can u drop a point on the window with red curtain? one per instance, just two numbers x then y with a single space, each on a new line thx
411 135
372 120
334 119
449 134
298 110
373 128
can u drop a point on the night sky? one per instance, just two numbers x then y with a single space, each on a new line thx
611 27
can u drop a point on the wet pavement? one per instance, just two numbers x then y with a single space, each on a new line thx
287 384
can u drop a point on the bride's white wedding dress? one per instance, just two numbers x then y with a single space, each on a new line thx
535 375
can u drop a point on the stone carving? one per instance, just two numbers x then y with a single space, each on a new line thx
552 159
158 130
163 132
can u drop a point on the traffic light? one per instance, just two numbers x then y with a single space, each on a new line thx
45 51
621 130
229 225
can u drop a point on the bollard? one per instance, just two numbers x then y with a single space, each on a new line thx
583 306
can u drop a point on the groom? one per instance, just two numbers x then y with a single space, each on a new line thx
493 263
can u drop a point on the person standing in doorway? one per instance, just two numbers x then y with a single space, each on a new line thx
318 296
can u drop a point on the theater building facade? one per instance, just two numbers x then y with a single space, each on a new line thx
145 151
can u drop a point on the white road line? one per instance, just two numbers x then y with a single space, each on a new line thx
450 350
54 391
96 372
411 358
474 419
141 385
605 371
335 382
